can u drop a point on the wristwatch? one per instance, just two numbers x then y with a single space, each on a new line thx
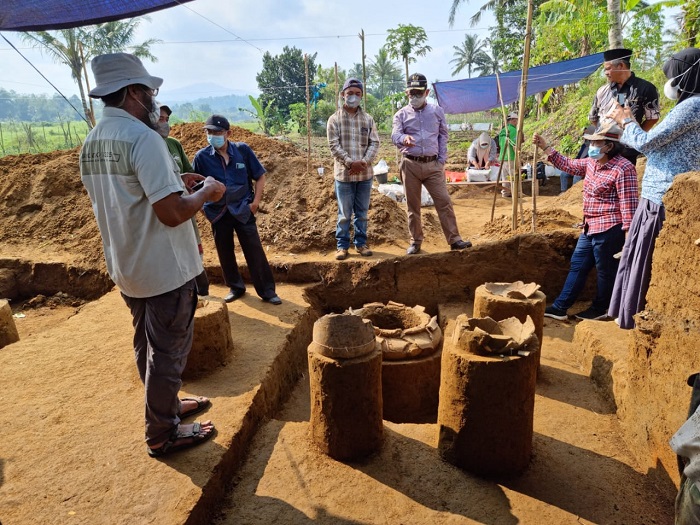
627 121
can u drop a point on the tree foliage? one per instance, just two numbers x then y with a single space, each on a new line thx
384 75
469 55
406 42
282 79
75 47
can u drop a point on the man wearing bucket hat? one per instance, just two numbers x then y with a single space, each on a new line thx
420 132
627 89
354 142
609 201
151 253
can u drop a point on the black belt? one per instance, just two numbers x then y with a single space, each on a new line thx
422 159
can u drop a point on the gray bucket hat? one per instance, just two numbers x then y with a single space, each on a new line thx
117 70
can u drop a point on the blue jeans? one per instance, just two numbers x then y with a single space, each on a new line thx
593 250
353 198
564 179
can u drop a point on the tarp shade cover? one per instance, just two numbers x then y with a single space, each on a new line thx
481 93
40 15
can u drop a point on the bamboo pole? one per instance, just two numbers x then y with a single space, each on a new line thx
364 71
521 108
505 126
308 117
337 97
535 189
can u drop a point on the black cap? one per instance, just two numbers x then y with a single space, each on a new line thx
217 123
617 54
417 81
353 82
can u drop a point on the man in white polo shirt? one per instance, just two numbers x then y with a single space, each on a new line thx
150 248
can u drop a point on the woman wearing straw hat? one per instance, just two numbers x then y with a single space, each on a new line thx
609 201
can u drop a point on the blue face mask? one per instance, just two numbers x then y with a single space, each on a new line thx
217 141
595 153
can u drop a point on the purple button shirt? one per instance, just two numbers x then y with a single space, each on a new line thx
428 128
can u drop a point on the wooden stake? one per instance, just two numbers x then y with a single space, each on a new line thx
364 71
337 98
535 189
505 126
521 108
308 117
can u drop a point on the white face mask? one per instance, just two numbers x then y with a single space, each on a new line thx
153 113
671 91
352 101
417 102
163 129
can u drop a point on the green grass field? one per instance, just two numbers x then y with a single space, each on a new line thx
38 137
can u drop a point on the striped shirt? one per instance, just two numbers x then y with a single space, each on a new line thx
352 137
610 194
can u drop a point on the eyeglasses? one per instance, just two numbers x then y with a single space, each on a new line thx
151 92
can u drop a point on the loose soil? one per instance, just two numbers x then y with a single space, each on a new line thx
582 470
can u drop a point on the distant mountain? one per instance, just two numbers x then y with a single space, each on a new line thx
194 92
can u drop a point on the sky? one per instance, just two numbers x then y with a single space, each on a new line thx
222 42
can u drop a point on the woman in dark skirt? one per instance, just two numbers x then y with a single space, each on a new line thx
671 147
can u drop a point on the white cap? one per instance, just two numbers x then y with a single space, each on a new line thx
512 115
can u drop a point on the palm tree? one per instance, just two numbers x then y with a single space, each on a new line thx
490 5
75 47
385 74
469 55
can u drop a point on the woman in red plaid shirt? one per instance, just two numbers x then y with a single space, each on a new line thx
609 200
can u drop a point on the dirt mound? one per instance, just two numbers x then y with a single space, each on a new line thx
547 221
42 201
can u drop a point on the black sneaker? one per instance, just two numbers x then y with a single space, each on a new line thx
460 245
555 313
592 314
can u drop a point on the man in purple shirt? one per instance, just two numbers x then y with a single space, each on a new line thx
420 133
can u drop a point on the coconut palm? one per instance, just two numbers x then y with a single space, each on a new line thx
469 55
75 47
385 74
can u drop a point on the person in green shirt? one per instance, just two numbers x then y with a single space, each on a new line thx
184 166
507 138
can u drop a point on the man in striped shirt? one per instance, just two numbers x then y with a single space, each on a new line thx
609 201
352 137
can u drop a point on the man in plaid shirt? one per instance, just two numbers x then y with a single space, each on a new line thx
352 137
609 201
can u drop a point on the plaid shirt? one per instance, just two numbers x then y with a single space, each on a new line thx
352 137
609 191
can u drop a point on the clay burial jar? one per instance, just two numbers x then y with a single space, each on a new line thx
343 336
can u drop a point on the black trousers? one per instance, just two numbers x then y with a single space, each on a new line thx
249 239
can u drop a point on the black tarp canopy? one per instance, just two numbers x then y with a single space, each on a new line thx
40 15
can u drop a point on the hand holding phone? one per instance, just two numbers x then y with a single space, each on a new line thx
197 186
621 98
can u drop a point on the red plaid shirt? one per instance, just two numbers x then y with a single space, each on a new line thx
609 191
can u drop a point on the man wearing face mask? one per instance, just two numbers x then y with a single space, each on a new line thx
235 165
627 89
183 166
420 132
609 201
150 248
352 137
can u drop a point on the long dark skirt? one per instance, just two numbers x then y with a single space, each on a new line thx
634 273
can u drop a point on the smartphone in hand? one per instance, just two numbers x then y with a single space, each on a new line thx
621 98
197 186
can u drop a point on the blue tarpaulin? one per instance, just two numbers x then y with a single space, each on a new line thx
40 15
481 93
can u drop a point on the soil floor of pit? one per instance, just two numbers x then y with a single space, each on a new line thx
72 427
